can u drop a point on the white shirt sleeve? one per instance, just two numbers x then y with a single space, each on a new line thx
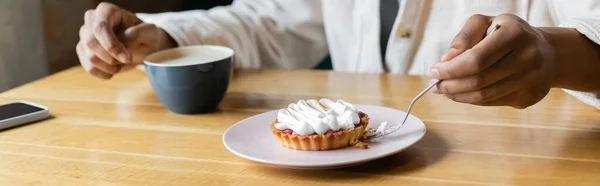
584 16
266 33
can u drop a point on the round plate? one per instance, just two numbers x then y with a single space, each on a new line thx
252 139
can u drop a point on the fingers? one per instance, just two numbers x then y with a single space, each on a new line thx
451 53
506 38
489 93
509 99
99 50
95 47
128 67
92 58
88 65
477 59
141 34
514 100
144 39
478 81
501 69
91 43
88 17
102 66
106 19
473 32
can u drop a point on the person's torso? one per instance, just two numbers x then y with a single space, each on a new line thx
422 31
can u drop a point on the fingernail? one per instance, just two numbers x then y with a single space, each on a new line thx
123 58
450 50
435 73
443 58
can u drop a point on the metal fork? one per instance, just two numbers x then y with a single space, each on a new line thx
388 131
434 83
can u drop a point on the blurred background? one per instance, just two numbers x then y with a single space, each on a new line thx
38 37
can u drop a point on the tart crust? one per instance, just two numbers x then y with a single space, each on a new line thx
317 142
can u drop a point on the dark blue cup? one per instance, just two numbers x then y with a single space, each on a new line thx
191 79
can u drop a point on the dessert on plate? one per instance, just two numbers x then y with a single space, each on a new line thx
320 125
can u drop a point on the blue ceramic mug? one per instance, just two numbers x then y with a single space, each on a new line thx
191 79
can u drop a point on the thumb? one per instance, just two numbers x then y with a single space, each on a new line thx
472 33
142 35
141 40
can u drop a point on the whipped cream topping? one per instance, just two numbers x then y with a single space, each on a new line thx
382 128
312 116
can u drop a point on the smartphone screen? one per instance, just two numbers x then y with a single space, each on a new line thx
12 110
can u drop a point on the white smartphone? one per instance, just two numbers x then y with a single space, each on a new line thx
20 113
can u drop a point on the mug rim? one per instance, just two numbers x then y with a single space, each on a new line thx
147 62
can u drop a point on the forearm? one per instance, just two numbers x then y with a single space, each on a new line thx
270 33
577 60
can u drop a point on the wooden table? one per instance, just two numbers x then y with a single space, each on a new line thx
117 132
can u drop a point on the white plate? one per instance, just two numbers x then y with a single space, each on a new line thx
252 139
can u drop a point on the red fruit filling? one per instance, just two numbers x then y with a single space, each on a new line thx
288 131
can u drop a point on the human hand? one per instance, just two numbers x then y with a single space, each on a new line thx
113 39
514 66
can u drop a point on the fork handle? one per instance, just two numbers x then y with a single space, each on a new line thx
419 96
385 132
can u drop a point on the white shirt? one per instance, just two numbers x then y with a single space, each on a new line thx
300 33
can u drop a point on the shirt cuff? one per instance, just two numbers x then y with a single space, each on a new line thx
588 26
166 22
588 98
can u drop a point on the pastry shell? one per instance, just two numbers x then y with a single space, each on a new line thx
317 142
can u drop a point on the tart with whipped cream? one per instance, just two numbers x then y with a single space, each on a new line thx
320 125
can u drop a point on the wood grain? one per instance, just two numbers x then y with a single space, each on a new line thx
106 132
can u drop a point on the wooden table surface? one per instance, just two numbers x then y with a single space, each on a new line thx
116 131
